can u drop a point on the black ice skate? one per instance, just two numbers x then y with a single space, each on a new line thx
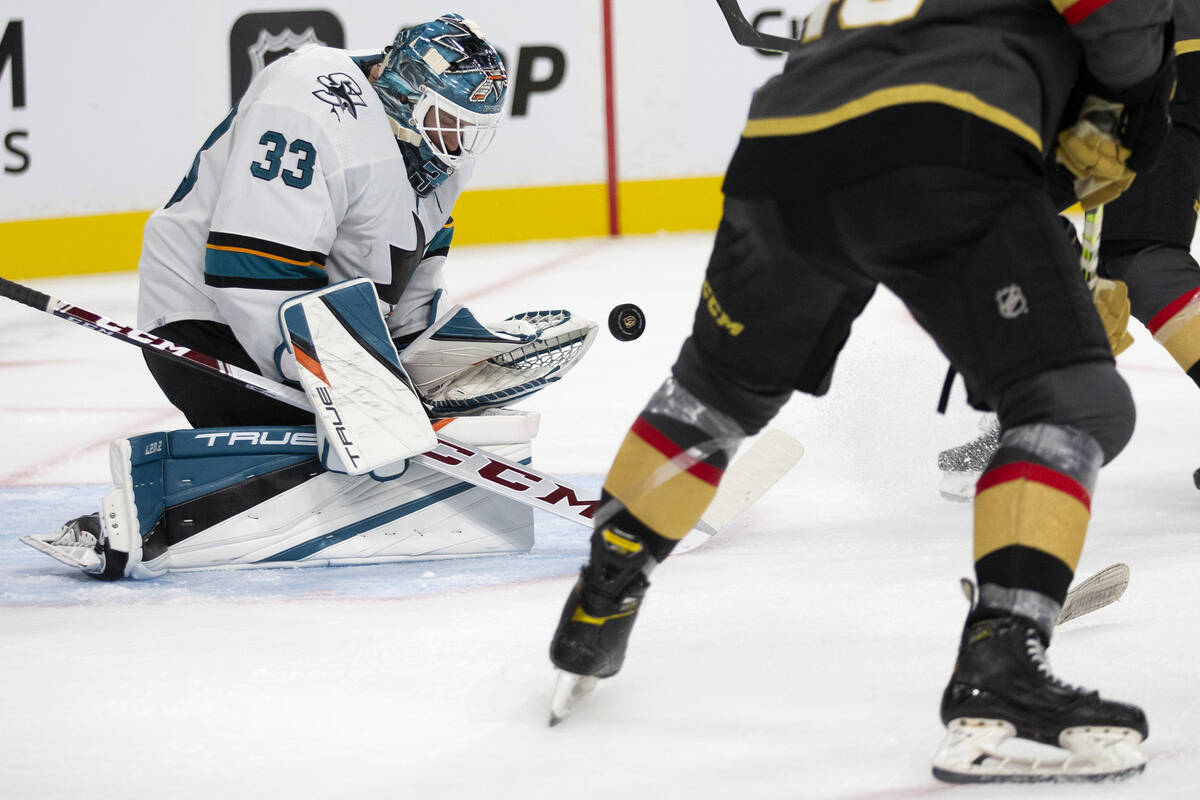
597 619
961 466
1002 688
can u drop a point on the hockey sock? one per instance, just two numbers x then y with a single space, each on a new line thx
1032 507
1177 328
669 465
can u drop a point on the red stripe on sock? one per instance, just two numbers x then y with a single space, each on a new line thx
1078 12
1173 308
1034 472
663 444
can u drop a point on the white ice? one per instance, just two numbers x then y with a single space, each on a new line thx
800 654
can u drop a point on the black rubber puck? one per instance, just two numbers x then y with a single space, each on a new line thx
626 322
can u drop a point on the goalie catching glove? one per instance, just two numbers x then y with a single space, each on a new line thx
1117 134
462 366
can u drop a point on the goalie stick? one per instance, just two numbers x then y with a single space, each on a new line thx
519 482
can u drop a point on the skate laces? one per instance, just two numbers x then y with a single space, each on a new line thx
1037 654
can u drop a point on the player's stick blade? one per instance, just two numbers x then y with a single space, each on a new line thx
1105 587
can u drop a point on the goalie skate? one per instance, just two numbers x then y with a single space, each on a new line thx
104 545
76 544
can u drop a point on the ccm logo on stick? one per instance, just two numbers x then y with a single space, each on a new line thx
513 478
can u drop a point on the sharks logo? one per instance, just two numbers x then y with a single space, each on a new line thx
341 92
494 81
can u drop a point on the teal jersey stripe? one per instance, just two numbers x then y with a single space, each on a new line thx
439 245
250 266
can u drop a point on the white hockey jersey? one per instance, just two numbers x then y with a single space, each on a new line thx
300 186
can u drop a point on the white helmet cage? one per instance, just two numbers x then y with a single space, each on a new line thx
452 132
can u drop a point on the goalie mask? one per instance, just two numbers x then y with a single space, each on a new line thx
442 87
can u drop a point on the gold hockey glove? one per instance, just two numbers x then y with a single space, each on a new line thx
1111 299
1092 153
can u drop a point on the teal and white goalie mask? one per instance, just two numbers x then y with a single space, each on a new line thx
442 86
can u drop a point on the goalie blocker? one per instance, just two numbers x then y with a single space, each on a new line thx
259 497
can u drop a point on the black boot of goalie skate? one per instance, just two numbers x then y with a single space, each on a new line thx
1002 688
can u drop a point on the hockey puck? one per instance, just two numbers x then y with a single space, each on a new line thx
626 322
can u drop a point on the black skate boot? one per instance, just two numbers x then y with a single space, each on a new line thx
961 466
598 617
1002 688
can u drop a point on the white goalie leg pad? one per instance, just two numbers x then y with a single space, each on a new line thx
119 521
368 413
987 751
335 519
258 497
461 366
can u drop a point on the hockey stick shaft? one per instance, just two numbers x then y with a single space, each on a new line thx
518 482
456 459
1089 253
747 35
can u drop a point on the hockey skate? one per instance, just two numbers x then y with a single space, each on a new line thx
597 619
81 543
1003 706
961 466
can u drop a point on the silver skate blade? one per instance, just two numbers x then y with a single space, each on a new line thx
1105 587
988 751
71 556
569 689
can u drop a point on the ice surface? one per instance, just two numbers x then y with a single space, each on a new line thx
800 654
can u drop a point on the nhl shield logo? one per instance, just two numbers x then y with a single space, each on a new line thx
270 47
257 40
1011 302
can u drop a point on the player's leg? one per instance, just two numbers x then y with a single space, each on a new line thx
206 400
768 321
1016 320
1146 242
